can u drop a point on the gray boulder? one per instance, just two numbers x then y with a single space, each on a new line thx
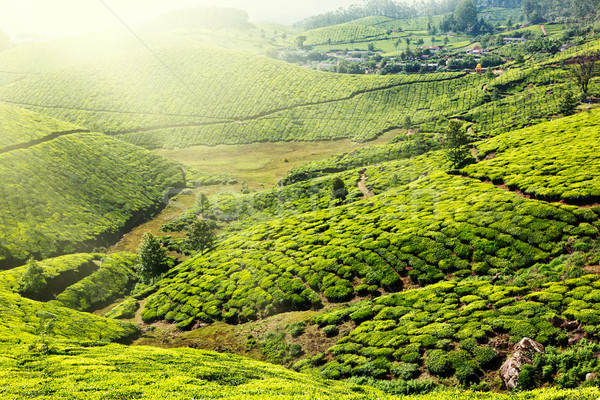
523 353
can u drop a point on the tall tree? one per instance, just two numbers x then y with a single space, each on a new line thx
338 191
455 143
152 258
465 15
583 68
201 235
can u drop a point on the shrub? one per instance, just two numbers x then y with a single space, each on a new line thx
297 329
330 330
405 371
438 363
527 377
338 293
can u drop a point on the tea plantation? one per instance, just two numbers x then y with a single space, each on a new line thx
74 192
390 271
213 96
555 160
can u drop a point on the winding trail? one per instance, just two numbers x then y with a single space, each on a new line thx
362 185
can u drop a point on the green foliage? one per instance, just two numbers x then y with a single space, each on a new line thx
124 310
297 329
94 186
112 280
19 126
201 235
338 191
153 260
568 104
455 143
438 363
465 15
554 160
33 281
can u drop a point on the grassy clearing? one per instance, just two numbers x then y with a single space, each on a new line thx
261 165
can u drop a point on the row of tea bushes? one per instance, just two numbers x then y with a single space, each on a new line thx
114 279
556 160
77 191
459 328
436 227
20 126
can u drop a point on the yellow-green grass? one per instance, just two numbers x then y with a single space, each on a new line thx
262 165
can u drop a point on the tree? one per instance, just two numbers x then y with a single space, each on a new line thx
583 69
465 15
201 235
338 191
567 104
202 203
152 258
455 143
33 280
300 41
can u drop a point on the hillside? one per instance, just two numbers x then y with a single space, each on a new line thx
72 191
183 215
240 98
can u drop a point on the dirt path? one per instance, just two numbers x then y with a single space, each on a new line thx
584 205
362 185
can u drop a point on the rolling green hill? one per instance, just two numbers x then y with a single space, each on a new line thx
21 127
417 280
240 98
75 191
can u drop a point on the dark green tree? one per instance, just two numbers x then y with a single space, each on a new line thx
33 280
203 204
153 260
201 235
455 143
465 15
567 104
300 41
338 191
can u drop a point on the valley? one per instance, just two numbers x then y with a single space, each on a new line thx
381 202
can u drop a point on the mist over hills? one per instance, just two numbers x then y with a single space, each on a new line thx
390 200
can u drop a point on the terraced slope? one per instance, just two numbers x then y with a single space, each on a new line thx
433 228
362 29
74 192
556 160
20 127
212 96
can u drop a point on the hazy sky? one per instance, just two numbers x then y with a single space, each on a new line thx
55 18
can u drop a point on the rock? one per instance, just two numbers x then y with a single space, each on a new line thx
571 325
557 322
576 338
523 354
591 375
